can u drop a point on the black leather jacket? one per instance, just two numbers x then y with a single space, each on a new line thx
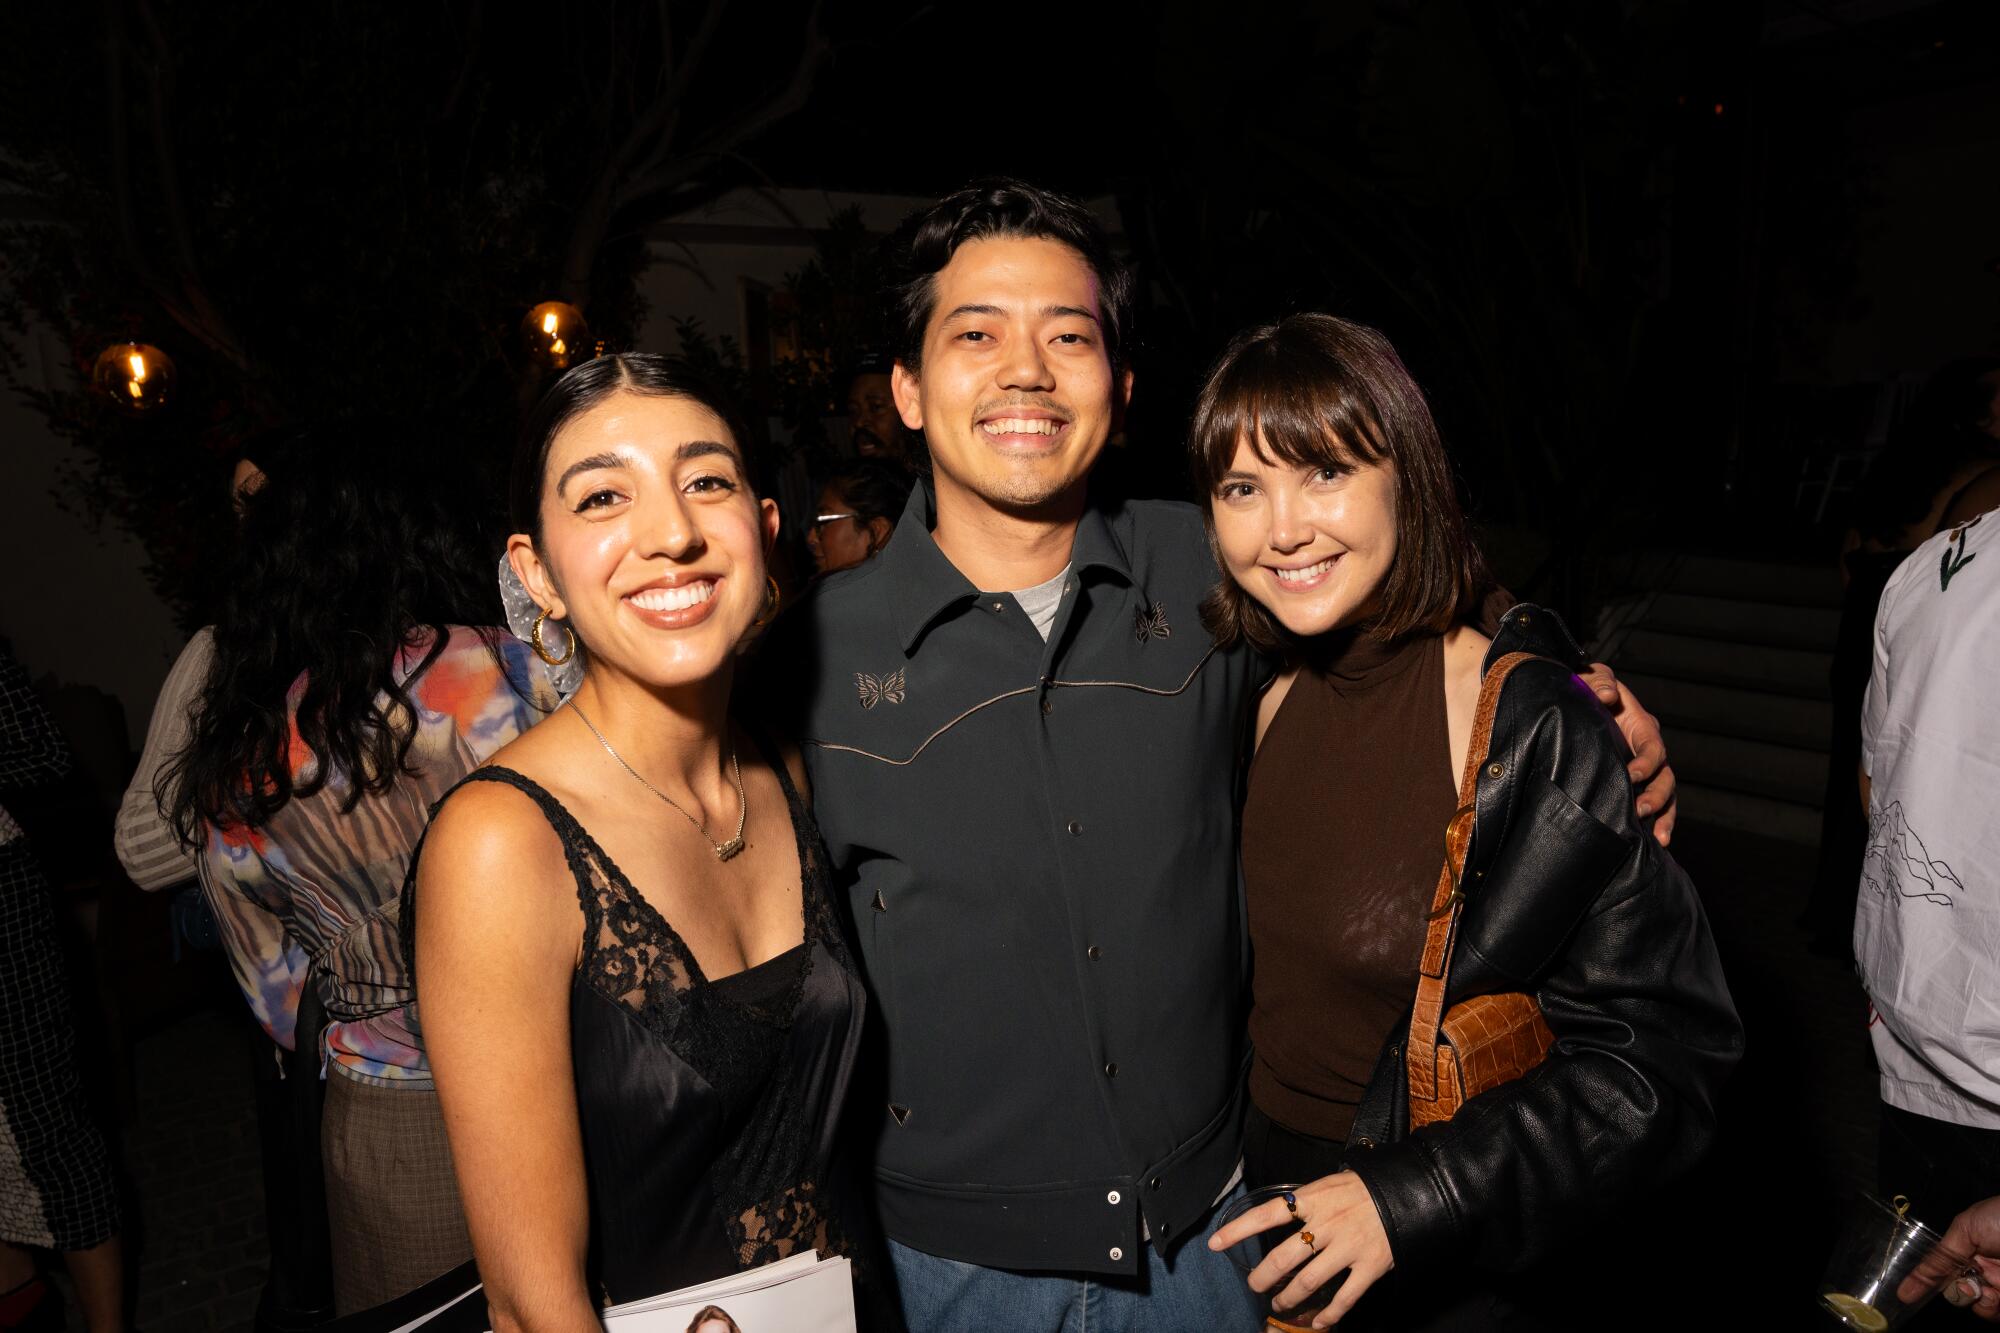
1569 898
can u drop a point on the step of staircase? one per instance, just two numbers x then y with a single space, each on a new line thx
1752 767
1732 656
1746 813
1798 672
1757 581
1785 719
1770 624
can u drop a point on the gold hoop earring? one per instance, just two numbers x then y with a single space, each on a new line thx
535 642
773 595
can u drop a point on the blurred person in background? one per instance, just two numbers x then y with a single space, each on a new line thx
151 852
1951 435
298 1287
1927 918
355 679
57 1189
877 429
858 509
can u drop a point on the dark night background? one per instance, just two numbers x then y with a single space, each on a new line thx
1669 270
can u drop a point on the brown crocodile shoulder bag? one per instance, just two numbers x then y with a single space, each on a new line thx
1486 1040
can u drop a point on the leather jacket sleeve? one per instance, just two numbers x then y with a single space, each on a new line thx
1570 899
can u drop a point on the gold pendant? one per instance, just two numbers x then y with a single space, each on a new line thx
728 849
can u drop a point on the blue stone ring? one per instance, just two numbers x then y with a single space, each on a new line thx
1291 1202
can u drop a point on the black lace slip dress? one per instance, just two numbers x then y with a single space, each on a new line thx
710 1109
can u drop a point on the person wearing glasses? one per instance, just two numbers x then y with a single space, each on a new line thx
858 509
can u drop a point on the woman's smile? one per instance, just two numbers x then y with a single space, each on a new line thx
675 604
1304 578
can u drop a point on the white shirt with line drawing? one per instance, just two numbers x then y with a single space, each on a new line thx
1927 927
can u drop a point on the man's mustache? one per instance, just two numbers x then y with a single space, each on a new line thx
999 407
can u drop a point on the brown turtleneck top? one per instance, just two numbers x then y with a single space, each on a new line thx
1343 835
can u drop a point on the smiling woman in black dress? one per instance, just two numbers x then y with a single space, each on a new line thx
640 1012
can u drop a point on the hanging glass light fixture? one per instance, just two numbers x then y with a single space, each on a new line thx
556 334
137 376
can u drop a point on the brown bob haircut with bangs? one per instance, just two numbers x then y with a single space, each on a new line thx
1317 391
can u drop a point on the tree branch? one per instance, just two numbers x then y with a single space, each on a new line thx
670 101
190 304
747 126
155 283
475 30
645 140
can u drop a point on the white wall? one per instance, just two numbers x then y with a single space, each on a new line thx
73 601
702 257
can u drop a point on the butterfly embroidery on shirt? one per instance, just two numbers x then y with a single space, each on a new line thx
1151 623
873 691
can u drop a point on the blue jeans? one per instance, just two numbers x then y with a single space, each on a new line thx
1190 1291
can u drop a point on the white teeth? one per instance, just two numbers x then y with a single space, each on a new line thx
674 599
1301 575
1020 426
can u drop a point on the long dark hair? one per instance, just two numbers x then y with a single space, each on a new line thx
874 488
363 540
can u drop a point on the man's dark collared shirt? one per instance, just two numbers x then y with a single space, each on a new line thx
1039 845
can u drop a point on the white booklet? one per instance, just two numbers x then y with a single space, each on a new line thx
801 1294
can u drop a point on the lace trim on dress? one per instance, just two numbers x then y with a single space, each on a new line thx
765 1190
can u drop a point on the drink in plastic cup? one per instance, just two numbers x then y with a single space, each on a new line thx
1886 1266
1247 1254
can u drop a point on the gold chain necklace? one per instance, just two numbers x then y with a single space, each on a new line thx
723 850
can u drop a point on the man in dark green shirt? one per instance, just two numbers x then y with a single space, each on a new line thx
1024 751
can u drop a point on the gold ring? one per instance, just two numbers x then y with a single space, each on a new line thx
1307 1237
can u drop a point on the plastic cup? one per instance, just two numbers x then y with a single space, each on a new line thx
1247 1254
1886 1266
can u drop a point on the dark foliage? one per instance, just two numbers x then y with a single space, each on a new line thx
346 207
1486 183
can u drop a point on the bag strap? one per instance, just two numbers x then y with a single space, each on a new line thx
1449 897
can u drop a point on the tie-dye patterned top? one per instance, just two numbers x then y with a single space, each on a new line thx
319 885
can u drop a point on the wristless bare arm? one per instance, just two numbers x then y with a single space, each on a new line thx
497 933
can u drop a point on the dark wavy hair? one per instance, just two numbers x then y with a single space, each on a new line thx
591 383
363 540
998 206
874 487
1319 391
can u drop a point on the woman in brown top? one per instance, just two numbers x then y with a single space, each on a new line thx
1334 515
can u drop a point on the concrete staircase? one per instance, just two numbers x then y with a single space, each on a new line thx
1733 655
